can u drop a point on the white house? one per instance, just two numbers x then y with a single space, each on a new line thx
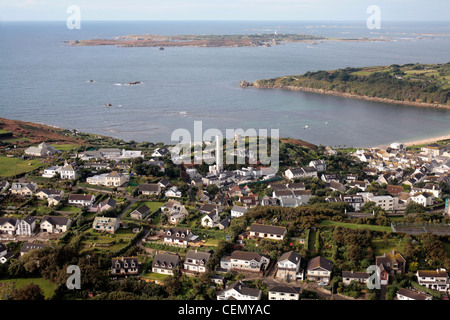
320 165
423 198
239 291
81 199
283 292
385 202
319 269
248 261
211 220
26 226
238 211
68 172
106 224
408 294
51 172
303 172
288 266
173 192
267 232
55 224
165 263
42 150
8 225
434 279
196 261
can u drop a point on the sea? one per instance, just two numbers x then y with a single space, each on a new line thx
46 81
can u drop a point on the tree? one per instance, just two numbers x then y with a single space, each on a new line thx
30 291
413 207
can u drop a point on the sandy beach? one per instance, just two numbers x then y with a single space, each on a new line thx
425 141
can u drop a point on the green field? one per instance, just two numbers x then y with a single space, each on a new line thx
47 287
14 166
66 147
355 226
380 247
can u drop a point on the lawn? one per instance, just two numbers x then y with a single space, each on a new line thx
153 205
46 286
355 226
14 166
66 147
380 246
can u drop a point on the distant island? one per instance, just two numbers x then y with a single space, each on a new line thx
425 85
242 40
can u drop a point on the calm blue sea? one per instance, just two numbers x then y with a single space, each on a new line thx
43 80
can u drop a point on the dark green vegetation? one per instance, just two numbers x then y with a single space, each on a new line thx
413 83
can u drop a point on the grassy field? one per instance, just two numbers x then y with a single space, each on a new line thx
66 147
381 247
355 226
14 166
46 286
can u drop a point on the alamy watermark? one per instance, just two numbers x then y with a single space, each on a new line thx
74 20
240 146
374 20
74 281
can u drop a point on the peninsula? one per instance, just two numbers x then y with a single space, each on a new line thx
240 40
424 85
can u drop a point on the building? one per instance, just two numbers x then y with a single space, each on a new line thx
112 179
196 261
24 189
238 211
140 213
125 266
81 199
9 225
179 236
28 246
434 279
303 172
319 269
55 224
288 266
107 204
390 264
319 165
149 189
408 294
384 202
283 292
42 150
68 172
248 261
423 198
106 224
360 277
267 232
26 226
165 263
239 291
51 172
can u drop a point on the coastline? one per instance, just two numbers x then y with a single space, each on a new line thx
348 95
426 140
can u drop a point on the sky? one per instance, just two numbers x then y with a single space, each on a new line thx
306 10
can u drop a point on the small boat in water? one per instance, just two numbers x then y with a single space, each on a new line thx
108 105
161 48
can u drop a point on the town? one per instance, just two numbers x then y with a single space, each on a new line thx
141 227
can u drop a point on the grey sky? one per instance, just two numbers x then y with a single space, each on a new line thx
391 10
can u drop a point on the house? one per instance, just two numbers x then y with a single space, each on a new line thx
55 224
28 246
319 269
51 172
49 193
328 177
196 261
356 201
149 189
112 179
179 236
390 264
106 224
268 201
68 172
225 223
423 198
165 263
42 150
202 196
3 186
175 211
319 165
249 201
291 202
303 172
4 254
384 202
209 208
160 152
125 266
394 190
288 266
9 225
173 192
211 220
434 279
26 226
23 189
408 294
283 292
239 291
267 232
140 213
163 183
360 277
81 199
248 261
107 204
238 211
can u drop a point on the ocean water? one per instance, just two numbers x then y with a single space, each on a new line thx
43 80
